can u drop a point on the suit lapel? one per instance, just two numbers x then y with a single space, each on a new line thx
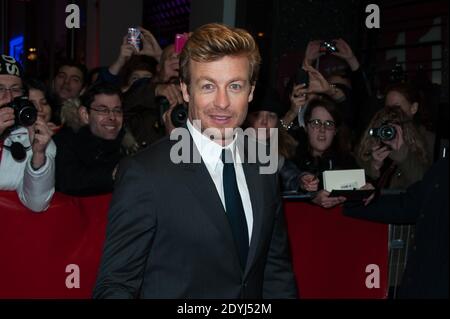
199 182
255 191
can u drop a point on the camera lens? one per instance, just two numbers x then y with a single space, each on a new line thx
27 116
179 115
387 133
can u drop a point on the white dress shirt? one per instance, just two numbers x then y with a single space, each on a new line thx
211 154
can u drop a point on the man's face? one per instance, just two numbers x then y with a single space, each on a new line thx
68 82
105 117
13 88
219 92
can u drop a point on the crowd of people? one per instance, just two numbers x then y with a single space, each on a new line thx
106 130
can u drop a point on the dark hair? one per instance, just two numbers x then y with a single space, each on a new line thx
52 100
75 64
341 145
327 104
412 95
91 74
137 62
102 88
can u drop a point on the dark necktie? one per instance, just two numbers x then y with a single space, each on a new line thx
234 207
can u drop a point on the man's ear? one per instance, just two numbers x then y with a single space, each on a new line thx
250 96
185 91
414 108
84 115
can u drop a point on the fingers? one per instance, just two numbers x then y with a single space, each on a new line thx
7 118
330 202
41 136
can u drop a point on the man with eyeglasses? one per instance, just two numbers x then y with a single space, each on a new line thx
27 154
86 159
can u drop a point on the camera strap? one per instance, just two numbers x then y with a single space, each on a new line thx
18 151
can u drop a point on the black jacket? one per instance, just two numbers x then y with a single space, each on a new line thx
426 204
168 234
85 163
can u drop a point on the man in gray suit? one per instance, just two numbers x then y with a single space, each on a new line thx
212 228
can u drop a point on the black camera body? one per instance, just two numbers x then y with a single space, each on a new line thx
328 47
179 113
24 111
385 132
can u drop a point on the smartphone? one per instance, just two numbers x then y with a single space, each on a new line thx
134 38
301 77
180 41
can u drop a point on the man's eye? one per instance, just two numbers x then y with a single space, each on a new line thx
207 87
236 86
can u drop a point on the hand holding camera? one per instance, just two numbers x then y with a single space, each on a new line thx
6 118
40 135
150 46
344 52
312 52
19 112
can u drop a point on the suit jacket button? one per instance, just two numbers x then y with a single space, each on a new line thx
436 186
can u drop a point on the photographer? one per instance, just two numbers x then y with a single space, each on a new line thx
27 154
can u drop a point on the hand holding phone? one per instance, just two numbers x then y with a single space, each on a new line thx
180 41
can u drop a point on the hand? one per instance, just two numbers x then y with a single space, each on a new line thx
367 200
309 182
126 52
317 83
40 136
379 154
397 142
6 118
150 46
324 200
171 91
345 52
312 51
298 97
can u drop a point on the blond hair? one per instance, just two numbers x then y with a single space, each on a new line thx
214 41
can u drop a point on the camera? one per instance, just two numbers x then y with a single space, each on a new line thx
385 132
24 111
179 113
328 47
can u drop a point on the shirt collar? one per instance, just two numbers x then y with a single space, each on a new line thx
210 151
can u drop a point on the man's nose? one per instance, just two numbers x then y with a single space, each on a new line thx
8 97
222 100
264 120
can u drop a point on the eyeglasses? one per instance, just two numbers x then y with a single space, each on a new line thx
105 111
317 124
16 91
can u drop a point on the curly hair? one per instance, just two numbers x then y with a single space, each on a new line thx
411 136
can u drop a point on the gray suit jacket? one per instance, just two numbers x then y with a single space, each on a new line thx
168 235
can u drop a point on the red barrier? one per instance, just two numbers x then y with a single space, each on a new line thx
35 249
330 252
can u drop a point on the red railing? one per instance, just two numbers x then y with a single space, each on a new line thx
38 251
